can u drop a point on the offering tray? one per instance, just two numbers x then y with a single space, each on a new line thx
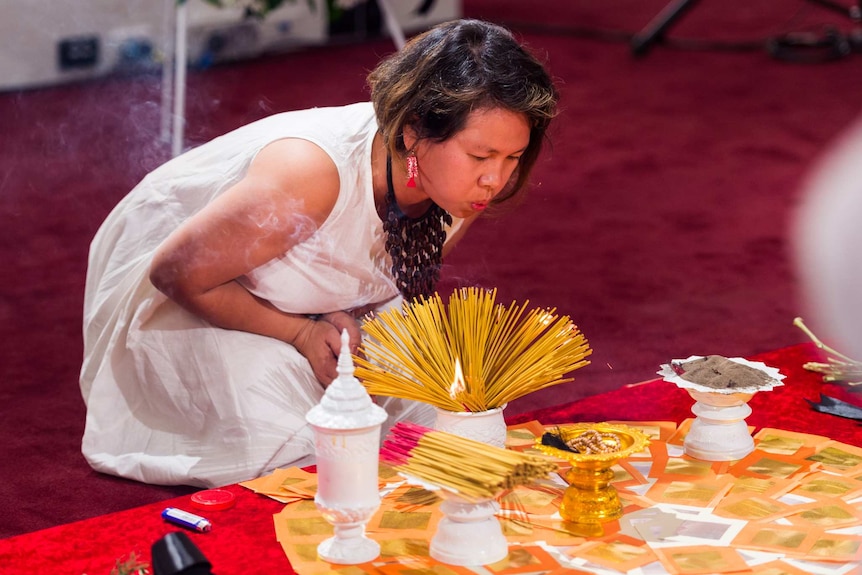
590 498
719 432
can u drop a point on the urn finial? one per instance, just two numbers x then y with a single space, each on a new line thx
346 404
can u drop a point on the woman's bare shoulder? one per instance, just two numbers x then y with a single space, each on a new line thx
298 169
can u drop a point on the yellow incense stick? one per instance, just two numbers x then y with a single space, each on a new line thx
473 469
473 354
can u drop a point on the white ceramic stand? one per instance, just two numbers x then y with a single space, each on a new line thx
346 427
469 534
349 545
485 426
719 433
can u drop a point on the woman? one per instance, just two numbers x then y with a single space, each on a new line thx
218 288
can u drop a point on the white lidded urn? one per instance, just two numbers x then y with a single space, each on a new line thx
347 426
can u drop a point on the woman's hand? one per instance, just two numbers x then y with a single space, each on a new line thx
342 320
320 342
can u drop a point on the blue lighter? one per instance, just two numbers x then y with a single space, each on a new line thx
186 519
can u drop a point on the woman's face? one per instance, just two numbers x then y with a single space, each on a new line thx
466 171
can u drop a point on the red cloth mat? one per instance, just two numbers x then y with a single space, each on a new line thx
243 541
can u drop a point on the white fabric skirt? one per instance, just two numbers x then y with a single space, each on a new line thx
177 401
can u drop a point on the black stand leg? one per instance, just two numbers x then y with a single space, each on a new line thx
653 31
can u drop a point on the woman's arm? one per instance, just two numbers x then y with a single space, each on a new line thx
289 191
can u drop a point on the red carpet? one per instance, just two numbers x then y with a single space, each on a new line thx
243 539
660 222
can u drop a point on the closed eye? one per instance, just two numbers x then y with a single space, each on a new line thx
485 158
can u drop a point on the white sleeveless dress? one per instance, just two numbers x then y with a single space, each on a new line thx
172 399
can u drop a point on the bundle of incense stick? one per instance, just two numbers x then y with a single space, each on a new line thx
472 469
472 355
838 367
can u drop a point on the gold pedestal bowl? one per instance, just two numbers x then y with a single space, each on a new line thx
590 498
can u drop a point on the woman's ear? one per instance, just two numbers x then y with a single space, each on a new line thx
409 137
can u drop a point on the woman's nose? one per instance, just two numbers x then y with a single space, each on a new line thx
490 179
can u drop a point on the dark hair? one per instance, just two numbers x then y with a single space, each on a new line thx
443 74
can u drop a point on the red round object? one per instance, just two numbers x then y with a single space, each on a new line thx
213 499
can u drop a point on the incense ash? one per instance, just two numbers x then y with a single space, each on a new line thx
717 372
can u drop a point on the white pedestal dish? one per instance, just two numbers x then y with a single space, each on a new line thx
470 533
719 432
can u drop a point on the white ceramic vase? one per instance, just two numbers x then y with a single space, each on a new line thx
485 426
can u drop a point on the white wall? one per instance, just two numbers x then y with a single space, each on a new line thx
31 32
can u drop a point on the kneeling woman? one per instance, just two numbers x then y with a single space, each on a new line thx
218 288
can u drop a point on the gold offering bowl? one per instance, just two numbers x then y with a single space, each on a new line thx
590 498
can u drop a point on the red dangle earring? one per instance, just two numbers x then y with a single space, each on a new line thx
412 169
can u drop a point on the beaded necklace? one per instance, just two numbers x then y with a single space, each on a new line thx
414 244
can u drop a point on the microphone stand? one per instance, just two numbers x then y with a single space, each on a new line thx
654 31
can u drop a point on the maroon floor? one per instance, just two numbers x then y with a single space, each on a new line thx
660 222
